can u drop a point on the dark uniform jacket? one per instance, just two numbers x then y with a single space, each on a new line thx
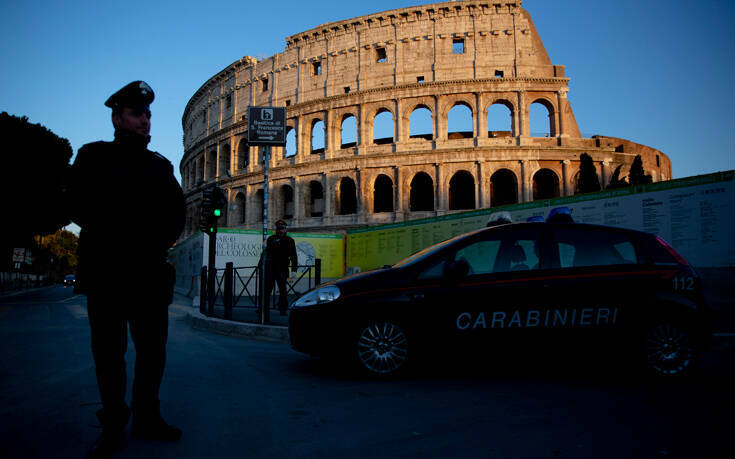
131 210
278 253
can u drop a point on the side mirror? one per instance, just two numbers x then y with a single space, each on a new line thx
457 270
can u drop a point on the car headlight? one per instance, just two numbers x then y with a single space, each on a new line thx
319 296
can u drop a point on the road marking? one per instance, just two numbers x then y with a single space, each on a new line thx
723 335
76 310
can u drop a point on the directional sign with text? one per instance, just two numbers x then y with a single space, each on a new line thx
267 126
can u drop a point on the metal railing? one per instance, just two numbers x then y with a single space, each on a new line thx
236 292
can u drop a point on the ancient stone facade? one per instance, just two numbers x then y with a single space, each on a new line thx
425 60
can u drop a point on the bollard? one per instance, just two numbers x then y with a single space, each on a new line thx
228 290
317 271
203 292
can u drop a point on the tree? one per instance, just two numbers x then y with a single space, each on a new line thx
586 177
616 181
637 175
35 167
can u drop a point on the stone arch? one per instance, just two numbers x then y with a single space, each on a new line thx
291 143
316 199
258 205
379 123
346 202
458 121
317 139
239 213
535 121
211 165
417 121
286 201
421 194
462 191
225 156
383 194
243 153
499 122
348 131
503 188
545 184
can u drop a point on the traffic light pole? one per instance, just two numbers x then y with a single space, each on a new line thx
212 275
264 309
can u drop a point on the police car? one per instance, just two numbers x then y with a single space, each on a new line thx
532 282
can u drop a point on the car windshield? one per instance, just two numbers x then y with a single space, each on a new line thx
421 254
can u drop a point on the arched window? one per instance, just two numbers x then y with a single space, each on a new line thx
243 154
383 127
459 122
500 119
316 204
503 188
422 193
383 194
239 210
347 197
348 132
317 137
211 164
287 201
291 148
419 124
541 119
462 191
545 184
224 160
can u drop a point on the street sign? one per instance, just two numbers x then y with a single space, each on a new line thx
19 255
267 126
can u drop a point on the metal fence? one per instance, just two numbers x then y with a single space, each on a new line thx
235 293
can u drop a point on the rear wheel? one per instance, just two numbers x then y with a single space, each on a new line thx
382 348
669 349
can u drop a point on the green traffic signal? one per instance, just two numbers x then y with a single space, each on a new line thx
217 212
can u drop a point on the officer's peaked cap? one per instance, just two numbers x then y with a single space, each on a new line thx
134 95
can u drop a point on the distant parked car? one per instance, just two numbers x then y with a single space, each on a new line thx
70 280
515 283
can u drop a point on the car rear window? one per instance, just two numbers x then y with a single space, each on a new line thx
578 247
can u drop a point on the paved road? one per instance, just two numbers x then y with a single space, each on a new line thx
237 398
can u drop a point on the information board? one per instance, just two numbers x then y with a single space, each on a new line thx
695 215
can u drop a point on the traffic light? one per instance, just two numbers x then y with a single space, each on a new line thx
212 208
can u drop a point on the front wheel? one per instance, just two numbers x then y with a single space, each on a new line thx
670 349
382 348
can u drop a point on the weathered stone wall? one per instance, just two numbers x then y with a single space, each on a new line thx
470 53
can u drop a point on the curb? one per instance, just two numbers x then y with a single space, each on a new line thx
270 333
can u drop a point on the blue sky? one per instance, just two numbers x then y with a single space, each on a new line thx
655 72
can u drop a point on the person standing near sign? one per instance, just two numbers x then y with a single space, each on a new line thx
126 233
280 250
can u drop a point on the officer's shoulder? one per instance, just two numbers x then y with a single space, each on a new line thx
162 160
93 152
95 146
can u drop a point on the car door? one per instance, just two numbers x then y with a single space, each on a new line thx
594 284
487 287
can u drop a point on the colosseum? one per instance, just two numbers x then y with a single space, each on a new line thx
430 63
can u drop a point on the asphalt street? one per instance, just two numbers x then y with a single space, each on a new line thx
241 398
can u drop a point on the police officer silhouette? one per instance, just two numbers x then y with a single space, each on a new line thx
280 250
131 210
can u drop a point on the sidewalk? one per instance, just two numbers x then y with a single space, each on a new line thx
278 332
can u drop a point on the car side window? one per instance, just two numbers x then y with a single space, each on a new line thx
579 247
495 253
480 256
